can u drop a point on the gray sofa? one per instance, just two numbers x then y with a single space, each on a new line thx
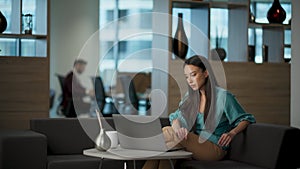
59 143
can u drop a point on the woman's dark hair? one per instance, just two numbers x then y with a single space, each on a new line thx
196 61
191 105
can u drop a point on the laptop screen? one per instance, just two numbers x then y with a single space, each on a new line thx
140 132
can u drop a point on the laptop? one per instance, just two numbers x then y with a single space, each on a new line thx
136 132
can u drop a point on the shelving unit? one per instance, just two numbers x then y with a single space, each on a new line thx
24 64
14 42
200 18
273 37
238 25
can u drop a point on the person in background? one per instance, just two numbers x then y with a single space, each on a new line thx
74 92
207 119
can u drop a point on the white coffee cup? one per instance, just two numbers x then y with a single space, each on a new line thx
113 136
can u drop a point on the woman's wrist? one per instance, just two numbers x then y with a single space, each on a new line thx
240 127
176 125
232 134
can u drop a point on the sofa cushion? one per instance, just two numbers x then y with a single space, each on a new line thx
80 162
21 149
225 164
68 135
266 145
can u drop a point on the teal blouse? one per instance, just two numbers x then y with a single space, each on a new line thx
228 115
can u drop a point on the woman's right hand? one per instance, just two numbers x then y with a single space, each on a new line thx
182 133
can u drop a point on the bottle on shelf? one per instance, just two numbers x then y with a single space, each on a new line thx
265 54
180 40
276 14
251 16
27 23
3 23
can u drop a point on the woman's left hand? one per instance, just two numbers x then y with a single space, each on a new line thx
225 139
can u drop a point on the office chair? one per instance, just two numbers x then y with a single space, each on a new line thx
51 98
61 79
105 103
131 97
69 111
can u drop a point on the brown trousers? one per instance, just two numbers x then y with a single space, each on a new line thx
204 150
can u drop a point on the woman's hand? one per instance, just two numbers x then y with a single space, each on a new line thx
182 133
226 139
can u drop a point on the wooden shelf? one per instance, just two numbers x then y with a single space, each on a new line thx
22 36
228 5
201 4
189 4
268 25
271 1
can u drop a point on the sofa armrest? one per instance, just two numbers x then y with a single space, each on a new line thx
21 149
289 147
267 145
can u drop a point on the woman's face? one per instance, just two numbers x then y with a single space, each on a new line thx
195 76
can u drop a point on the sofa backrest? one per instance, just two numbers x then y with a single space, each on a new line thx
70 135
164 121
267 145
67 135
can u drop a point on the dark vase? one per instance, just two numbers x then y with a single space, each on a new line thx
180 41
3 23
276 14
218 52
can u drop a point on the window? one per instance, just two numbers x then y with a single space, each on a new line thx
114 49
219 28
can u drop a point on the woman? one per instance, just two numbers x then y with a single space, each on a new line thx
207 119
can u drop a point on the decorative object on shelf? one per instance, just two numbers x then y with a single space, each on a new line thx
27 20
3 23
287 60
251 53
265 54
218 52
251 16
102 141
276 14
180 41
